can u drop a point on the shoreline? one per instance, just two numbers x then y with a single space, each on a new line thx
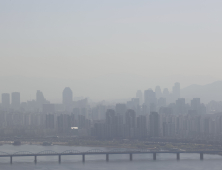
67 144
122 144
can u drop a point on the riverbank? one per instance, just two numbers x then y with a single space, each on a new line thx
130 144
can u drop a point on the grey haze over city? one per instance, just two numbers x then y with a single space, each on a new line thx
85 77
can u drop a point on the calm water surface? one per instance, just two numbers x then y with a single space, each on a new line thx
97 162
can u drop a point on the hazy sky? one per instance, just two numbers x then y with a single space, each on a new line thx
107 49
81 39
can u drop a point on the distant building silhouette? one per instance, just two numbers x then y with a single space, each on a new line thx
15 100
50 121
166 110
154 124
130 125
166 95
134 104
141 127
40 100
150 99
5 100
48 108
176 91
195 105
111 123
130 118
158 92
110 116
121 108
161 102
67 97
145 109
181 106
139 95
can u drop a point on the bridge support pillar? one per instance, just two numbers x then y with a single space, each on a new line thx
107 157
131 156
83 157
59 158
178 156
154 156
10 159
35 159
201 156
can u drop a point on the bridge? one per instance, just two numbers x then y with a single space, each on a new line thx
101 152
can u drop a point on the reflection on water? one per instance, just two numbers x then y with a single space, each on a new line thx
94 162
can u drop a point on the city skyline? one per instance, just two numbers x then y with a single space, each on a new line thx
110 79
207 92
162 114
67 96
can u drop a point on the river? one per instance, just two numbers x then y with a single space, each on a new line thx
98 162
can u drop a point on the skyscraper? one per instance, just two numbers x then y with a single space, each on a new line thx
15 100
154 124
150 99
110 116
67 97
130 124
111 123
5 100
130 118
181 106
158 92
139 95
195 104
40 100
166 95
161 102
141 126
121 109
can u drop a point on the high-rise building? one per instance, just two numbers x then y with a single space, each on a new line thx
15 100
133 104
121 109
161 102
110 116
139 95
150 99
111 125
49 121
130 118
5 100
40 100
181 106
136 101
67 97
165 110
130 125
195 104
145 109
166 93
154 124
48 108
158 92
149 96
141 126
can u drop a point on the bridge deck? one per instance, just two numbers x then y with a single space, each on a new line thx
51 153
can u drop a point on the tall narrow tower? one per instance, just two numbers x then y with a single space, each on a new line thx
67 97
